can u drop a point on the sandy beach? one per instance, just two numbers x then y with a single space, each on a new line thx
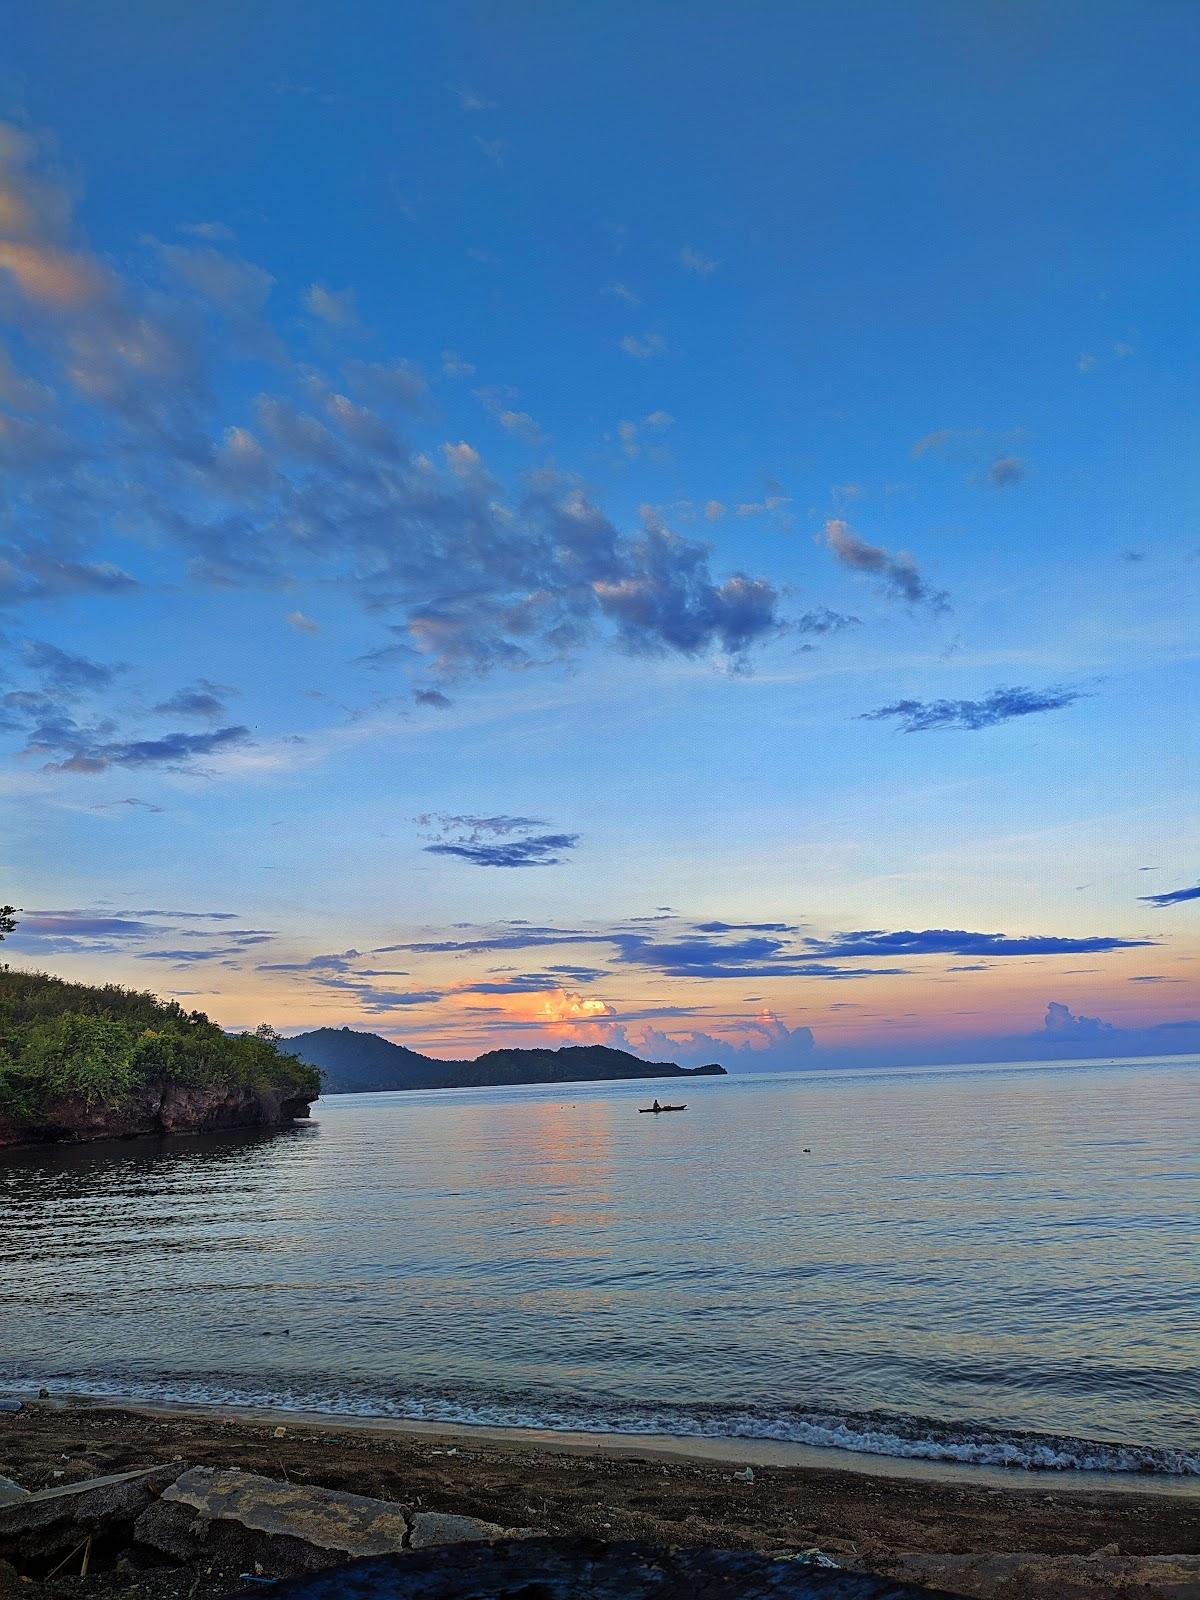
903 1520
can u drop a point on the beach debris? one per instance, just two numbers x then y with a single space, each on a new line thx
11 1405
280 1433
231 1517
54 1525
745 1475
10 1491
812 1557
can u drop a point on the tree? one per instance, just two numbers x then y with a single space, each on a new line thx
8 919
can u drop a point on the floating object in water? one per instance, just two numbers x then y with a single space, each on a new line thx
653 1111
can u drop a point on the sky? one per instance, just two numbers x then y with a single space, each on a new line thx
667 525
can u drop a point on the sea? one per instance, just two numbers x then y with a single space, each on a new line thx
996 1265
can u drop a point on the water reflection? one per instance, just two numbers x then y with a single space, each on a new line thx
1008 1247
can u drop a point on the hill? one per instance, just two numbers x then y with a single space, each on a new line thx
353 1063
81 1062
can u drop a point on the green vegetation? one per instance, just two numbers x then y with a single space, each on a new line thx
102 1045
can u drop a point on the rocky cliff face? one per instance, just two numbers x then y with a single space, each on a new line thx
158 1109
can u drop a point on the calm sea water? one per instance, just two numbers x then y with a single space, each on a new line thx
987 1264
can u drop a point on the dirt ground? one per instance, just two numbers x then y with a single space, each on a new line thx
856 1517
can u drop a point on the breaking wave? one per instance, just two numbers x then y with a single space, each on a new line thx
862 1433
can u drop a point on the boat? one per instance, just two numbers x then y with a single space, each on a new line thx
653 1111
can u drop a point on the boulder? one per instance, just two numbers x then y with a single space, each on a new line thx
230 1517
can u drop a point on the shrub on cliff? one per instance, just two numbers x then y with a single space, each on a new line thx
61 1040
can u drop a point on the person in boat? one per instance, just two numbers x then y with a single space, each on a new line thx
656 1106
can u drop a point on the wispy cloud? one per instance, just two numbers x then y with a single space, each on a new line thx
898 573
696 262
203 699
496 841
1172 897
875 942
1002 705
643 347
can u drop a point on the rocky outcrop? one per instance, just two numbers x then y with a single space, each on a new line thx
157 1109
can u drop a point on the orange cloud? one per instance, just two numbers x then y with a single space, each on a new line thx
53 278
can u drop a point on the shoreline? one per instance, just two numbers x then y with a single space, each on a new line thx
973 1532
737 1452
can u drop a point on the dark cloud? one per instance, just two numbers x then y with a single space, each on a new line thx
1172 897
496 841
537 850
432 697
957 942
85 749
203 699
700 956
898 573
1002 705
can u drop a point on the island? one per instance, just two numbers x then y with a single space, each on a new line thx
79 1062
357 1063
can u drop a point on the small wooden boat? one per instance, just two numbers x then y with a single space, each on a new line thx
653 1111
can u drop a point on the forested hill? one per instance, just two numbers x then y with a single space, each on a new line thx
353 1062
80 1062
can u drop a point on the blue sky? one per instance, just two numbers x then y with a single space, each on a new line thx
481 468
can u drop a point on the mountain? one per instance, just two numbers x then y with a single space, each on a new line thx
352 1063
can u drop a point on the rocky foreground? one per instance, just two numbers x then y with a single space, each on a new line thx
200 1506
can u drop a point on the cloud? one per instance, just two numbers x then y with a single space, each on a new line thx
494 149
622 291
1060 1020
496 841
644 346
658 419
470 101
876 943
69 674
1006 470
203 699
88 750
433 698
771 1046
142 805
454 366
1172 897
301 623
337 307
823 620
696 262
497 401
714 510
898 573
1002 705
313 484
388 383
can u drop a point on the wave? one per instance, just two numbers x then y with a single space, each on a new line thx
861 1433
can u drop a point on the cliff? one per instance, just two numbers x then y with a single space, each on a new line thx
354 1063
157 1108
79 1062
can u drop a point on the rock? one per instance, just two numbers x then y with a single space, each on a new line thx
745 1475
46 1525
10 1491
441 1527
1105 1575
11 1405
586 1569
229 1517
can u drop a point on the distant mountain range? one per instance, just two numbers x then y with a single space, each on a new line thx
354 1063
